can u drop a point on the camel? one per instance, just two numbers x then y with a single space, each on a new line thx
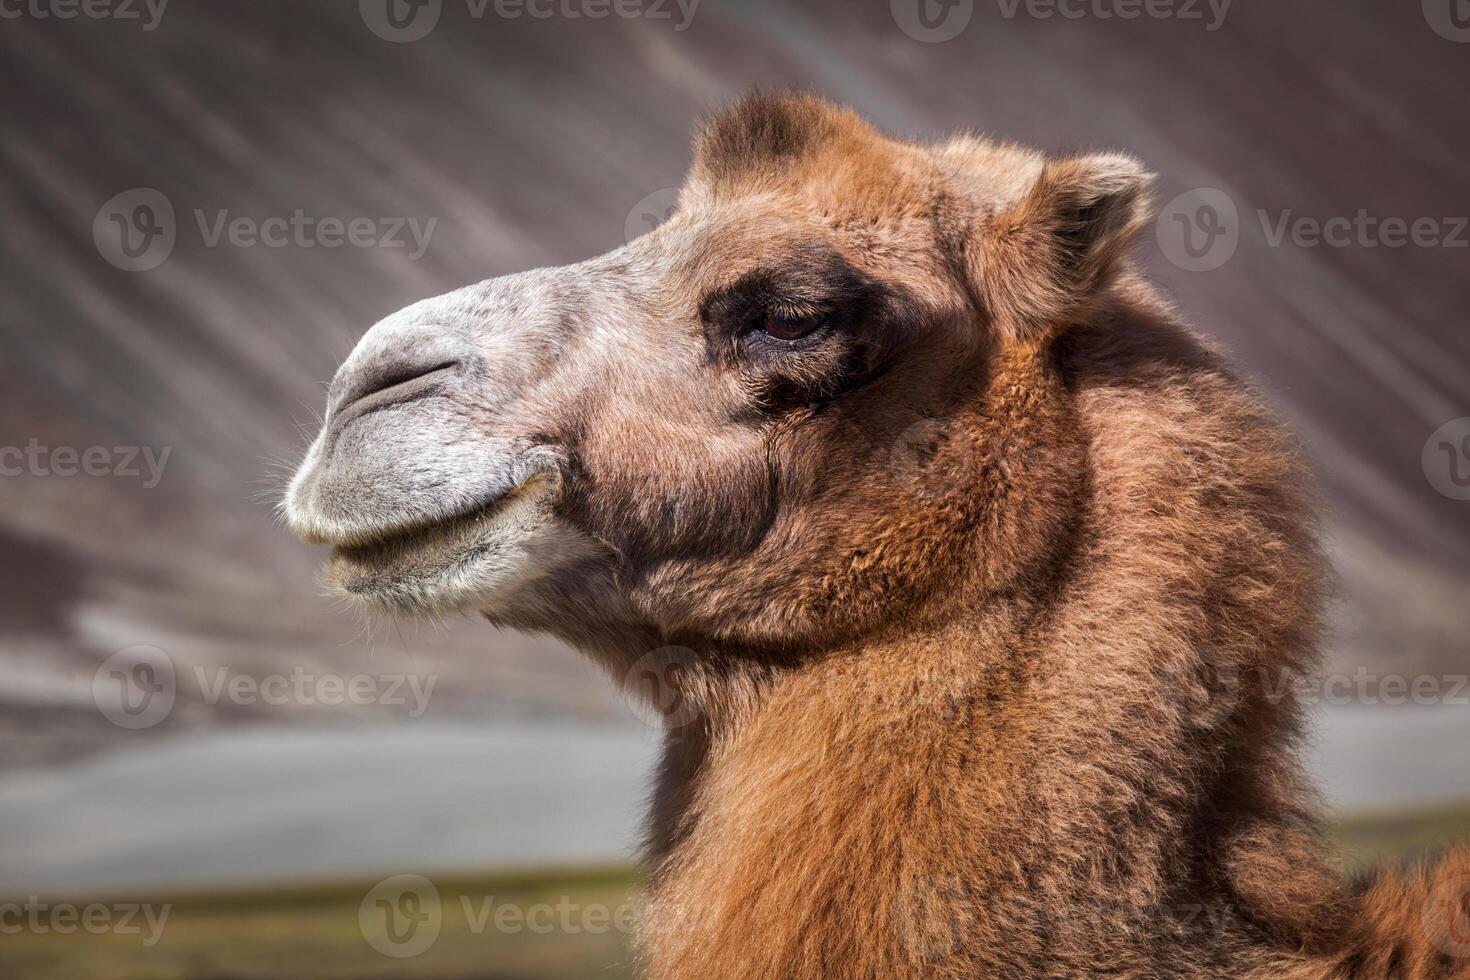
965 571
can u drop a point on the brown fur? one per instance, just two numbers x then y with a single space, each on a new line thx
1012 759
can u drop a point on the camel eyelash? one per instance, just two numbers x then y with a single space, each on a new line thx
783 329
797 309
775 311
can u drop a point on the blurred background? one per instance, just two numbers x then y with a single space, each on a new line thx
203 205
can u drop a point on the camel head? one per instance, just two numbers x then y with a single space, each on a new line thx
764 422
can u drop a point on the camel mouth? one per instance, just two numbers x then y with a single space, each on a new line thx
371 544
460 562
401 534
400 523
360 501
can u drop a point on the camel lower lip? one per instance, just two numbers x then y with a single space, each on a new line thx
463 562
407 539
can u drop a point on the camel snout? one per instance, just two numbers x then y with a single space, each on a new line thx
415 432
394 385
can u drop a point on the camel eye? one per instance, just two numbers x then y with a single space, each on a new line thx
785 326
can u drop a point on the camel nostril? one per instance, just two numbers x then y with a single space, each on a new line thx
391 385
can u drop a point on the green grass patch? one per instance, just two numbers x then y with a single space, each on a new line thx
554 925
560 925
1402 839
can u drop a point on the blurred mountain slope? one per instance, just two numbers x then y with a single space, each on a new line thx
532 142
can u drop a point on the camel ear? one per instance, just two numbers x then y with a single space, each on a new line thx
1043 260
